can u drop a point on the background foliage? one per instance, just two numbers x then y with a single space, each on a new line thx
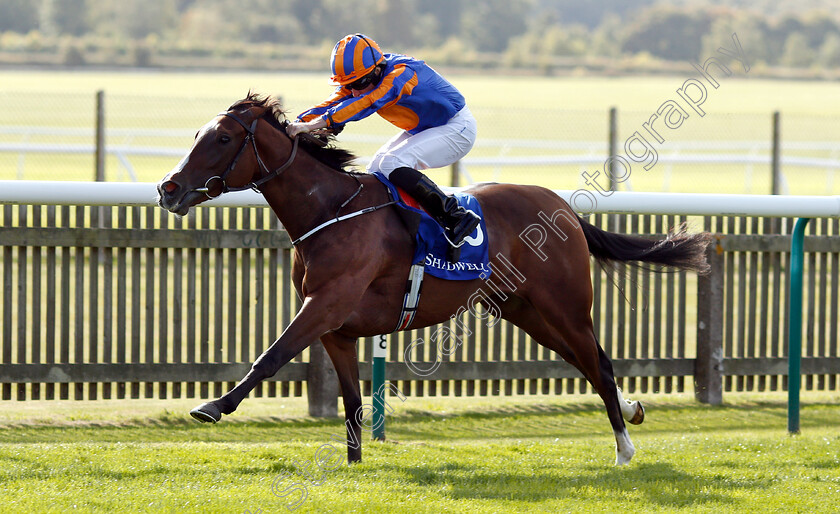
548 35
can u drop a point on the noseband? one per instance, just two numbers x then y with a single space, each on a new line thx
251 137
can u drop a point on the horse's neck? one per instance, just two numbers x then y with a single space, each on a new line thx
307 194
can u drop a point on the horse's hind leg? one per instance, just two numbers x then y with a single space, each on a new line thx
583 352
633 411
597 368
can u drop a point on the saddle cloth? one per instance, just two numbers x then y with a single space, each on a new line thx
432 245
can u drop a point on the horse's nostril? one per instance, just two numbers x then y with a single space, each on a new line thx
170 187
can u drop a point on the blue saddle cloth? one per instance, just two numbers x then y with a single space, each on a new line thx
432 246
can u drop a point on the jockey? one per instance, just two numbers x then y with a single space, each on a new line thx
438 129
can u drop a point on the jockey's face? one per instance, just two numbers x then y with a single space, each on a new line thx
359 92
365 84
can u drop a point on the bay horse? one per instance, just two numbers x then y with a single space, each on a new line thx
352 275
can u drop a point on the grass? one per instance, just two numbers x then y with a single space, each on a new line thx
561 109
526 454
739 93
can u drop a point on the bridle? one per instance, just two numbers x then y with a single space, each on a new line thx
250 136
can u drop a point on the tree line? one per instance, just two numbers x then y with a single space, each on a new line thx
527 34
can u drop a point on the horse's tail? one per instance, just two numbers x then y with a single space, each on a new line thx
678 249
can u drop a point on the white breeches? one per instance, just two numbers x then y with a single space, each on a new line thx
432 148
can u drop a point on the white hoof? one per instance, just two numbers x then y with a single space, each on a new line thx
632 412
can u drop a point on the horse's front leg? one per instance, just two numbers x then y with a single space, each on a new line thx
342 352
316 317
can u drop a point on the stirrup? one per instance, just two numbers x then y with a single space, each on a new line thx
470 222
453 254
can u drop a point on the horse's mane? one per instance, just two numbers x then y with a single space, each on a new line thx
334 157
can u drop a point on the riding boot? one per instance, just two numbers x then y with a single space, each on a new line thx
456 221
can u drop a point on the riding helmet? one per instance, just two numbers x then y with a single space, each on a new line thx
353 57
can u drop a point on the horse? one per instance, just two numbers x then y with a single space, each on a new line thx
351 275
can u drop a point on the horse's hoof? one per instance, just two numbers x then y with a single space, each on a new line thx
623 460
206 413
639 416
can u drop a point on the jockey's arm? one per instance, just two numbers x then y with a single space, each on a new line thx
296 127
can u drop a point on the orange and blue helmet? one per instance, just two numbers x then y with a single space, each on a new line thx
353 57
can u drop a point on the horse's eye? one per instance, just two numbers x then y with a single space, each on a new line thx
224 139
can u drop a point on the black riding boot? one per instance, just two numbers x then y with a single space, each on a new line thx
457 221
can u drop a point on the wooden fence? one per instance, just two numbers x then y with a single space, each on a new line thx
131 302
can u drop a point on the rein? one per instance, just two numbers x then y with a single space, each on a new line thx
255 185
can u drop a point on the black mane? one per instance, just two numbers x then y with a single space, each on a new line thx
334 157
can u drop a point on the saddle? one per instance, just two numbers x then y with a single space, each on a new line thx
431 243
432 248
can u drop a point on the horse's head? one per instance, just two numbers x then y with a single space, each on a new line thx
223 157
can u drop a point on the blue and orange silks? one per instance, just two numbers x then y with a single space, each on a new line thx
411 95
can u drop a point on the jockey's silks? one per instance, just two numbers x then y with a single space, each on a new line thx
411 95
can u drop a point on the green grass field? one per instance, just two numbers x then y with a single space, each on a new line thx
527 454
739 93
510 111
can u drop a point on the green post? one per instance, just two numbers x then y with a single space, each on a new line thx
380 347
797 258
